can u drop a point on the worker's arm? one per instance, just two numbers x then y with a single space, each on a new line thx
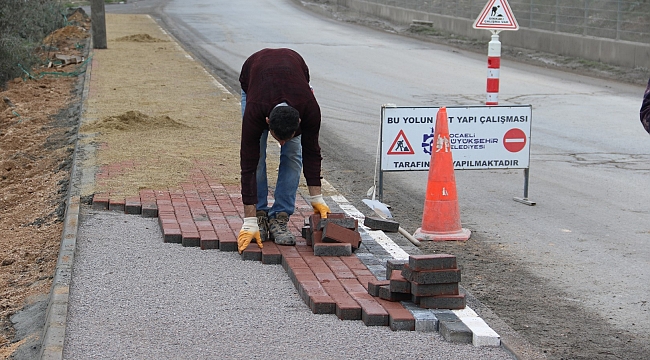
250 210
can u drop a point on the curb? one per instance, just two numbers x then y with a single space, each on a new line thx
57 309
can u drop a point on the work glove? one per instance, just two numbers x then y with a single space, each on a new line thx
249 230
319 205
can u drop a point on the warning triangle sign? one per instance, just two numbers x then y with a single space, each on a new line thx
496 15
401 145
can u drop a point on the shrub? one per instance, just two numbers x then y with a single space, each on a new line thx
23 25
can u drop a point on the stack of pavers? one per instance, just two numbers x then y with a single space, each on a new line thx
337 235
430 281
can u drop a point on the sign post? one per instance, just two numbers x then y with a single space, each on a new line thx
496 16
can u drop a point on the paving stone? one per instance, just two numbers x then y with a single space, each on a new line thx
227 244
332 249
347 222
209 240
322 304
132 206
372 313
443 302
482 334
398 284
149 209
100 202
433 289
190 239
314 221
373 286
333 232
445 314
455 331
172 235
377 223
401 320
271 253
432 262
364 280
116 205
393 264
425 319
386 294
305 232
252 252
318 299
432 276
346 307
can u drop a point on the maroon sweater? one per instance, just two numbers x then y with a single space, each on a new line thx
270 77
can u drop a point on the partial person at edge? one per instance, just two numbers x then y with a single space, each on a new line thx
645 109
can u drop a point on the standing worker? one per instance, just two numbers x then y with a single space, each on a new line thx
645 109
277 99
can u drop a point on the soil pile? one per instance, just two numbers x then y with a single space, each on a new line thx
79 16
140 38
132 121
63 36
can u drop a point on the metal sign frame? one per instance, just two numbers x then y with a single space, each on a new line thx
465 121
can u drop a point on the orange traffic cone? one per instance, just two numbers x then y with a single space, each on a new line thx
441 216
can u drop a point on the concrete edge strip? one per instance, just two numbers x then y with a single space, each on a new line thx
57 309
482 334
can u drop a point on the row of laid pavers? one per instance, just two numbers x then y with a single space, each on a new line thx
208 214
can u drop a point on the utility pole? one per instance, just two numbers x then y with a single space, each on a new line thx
98 19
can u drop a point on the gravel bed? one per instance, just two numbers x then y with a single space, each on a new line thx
134 297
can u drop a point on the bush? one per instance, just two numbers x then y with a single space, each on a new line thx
23 25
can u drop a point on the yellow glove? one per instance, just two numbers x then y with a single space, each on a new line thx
319 205
249 230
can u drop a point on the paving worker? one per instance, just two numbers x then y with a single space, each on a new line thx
645 109
277 99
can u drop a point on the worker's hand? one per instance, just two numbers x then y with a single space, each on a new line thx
249 230
319 205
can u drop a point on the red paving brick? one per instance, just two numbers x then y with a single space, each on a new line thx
205 213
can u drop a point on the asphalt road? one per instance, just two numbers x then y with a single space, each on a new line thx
589 233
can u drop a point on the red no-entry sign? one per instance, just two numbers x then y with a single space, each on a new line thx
514 140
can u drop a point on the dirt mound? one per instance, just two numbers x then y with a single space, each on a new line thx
64 34
78 15
132 121
140 38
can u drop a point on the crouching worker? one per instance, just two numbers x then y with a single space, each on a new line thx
277 99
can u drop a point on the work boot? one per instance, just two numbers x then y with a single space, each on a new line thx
279 231
263 224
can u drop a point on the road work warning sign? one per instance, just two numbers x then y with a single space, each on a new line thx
496 15
401 145
480 137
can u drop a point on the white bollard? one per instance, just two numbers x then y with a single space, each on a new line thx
494 64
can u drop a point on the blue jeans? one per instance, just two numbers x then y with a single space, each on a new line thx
288 174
